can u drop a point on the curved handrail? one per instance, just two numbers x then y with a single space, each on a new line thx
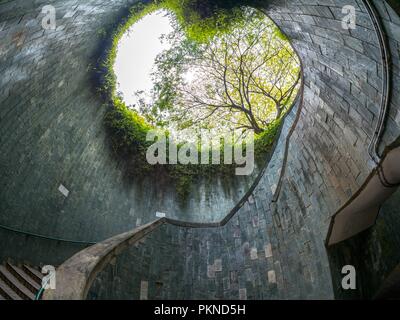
75 276
40 292
376 181
386 90
373 148
361 211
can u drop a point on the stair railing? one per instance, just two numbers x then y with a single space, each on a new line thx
75 277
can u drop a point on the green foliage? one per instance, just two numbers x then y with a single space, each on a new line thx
279 34
129 128
264 141
106 71
243 79
204 19
201 20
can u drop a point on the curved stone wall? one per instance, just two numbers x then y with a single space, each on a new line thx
269 249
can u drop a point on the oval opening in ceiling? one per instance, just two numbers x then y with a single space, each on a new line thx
243 77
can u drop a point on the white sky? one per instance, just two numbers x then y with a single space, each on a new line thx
137 51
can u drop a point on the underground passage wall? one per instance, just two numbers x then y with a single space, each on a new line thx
52 133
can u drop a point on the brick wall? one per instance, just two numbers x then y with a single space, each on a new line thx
269 250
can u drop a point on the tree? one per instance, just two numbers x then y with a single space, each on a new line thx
243 79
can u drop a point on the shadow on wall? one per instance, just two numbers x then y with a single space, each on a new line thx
374 253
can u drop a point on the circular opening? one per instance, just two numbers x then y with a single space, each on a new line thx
205 79
244 78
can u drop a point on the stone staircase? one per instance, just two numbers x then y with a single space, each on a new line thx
19 282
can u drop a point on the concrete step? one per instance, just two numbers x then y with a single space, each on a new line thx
24 278
15 284
7 292
33 273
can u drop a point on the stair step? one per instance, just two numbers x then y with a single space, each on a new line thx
7 293
13 282
25 278
35 274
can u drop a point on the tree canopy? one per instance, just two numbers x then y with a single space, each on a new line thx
243 79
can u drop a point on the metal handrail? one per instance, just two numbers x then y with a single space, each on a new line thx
36 235
39 294
373 148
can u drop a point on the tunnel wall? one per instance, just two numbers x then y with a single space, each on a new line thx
270 249
345 91
52 133
376 251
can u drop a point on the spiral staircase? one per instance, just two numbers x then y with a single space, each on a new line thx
19 282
